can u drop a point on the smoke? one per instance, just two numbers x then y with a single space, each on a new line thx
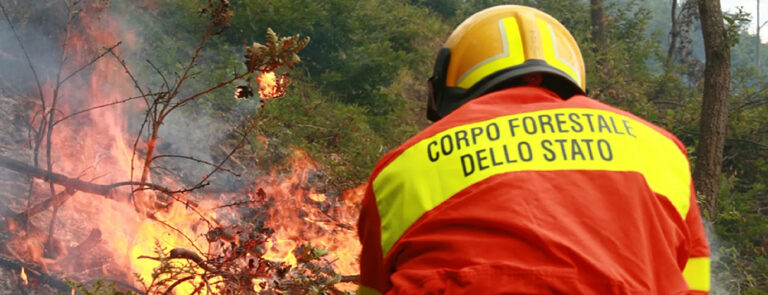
715 245
36 30
204 138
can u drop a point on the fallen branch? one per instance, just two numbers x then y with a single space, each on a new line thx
73 184
42 206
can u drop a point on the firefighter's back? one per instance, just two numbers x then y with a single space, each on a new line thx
521 192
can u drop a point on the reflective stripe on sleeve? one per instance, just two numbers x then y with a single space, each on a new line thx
547 140
696 273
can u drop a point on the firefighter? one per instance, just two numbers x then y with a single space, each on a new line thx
524 185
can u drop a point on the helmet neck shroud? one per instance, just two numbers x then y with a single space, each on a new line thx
445 99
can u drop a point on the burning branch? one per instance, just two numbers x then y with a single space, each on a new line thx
60 198
72 184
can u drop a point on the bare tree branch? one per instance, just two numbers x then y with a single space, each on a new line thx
181 253
237 147
51 113
92 61
162 76
128 72
44 205
26 55
191 62
217 86
196 160
38 138
101 106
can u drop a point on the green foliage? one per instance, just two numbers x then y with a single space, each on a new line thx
98 287
735 24
339 135
742 259
358 46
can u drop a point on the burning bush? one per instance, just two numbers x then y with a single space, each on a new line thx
271 236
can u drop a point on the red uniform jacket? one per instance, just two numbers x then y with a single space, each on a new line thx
521 192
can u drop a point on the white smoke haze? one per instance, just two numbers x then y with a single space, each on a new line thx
715 246
38 29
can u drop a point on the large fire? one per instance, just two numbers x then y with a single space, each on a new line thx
98 147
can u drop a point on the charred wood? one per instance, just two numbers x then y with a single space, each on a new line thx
34 274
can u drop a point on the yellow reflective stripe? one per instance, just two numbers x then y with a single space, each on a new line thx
696 273
563 139
551 55
364 290
512 55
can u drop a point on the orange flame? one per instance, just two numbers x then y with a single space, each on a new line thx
103 153
305 215
272 85
24 276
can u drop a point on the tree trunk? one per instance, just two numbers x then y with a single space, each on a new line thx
757 32
597 14
714 109
674 31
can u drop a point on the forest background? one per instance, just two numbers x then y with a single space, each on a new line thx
361 87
